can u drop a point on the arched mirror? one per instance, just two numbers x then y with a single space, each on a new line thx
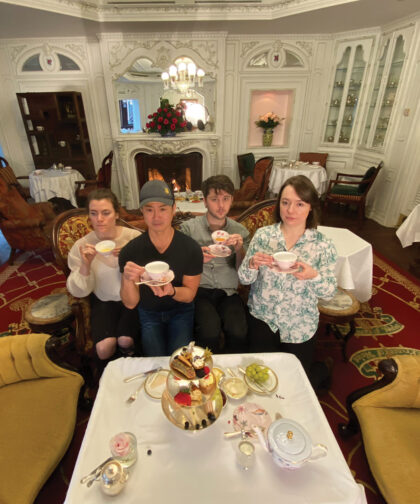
141 87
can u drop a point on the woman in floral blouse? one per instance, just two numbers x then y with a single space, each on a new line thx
283 306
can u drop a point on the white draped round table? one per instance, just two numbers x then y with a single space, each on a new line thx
317 174
47 184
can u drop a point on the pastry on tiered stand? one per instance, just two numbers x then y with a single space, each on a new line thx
192 400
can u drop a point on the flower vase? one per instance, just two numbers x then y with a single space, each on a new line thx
267 137
168 133
124 448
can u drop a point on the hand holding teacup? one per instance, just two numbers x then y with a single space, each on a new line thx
207 255
236 241
261 259
304 271
87 254
133 272
288 260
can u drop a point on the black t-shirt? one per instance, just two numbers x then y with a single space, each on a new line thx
183 255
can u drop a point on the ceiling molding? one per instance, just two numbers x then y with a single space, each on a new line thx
179 10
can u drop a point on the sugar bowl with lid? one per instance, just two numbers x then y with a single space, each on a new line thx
291 446
113 477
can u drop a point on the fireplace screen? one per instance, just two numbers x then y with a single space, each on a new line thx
182 172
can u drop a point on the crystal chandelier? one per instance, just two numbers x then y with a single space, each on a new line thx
183 76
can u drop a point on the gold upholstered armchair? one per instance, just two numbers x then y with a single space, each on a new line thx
37 415
388 415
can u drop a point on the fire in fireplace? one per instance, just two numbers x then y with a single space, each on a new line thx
182 172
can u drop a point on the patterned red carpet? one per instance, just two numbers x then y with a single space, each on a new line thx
386 325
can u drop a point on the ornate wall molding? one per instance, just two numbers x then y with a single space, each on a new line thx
162 52
273 54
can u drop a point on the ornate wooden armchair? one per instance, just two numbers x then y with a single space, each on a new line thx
67 229
352 192
254 188
103 179
25 226
8 175
310 157
246 164
388 415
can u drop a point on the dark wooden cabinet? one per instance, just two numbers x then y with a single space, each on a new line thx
55 124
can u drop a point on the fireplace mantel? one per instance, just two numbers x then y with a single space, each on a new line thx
127 148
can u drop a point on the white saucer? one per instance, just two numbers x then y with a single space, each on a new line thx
219 250
158 283
293 269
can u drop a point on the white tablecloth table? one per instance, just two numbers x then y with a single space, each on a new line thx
188 206
354 268
186 467
317 174
46 184
409 231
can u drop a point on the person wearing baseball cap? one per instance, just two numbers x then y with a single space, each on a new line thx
166 311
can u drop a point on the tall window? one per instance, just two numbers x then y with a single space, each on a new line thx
130 116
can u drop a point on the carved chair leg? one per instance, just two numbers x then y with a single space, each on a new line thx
344 338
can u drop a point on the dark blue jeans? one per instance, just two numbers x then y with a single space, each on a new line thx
162 332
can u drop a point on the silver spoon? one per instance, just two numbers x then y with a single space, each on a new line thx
90 478
134 395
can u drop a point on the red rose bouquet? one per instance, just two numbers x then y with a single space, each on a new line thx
167 120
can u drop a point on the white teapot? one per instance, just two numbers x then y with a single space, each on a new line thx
291 446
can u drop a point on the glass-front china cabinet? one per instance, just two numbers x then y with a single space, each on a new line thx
345 96
385 85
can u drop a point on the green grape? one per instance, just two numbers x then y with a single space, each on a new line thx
257 372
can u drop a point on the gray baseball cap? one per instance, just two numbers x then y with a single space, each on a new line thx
156 191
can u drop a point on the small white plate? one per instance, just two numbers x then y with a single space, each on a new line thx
155 383
219 250
247 415
155 283
269 386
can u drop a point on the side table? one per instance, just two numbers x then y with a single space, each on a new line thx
341 309
52 314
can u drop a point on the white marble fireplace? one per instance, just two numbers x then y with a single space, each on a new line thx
127 148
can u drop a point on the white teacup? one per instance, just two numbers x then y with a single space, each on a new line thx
285 260
219 236
105 247
157 270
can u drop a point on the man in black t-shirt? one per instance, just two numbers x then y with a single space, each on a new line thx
166 312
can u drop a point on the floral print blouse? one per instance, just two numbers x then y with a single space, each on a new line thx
281 300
